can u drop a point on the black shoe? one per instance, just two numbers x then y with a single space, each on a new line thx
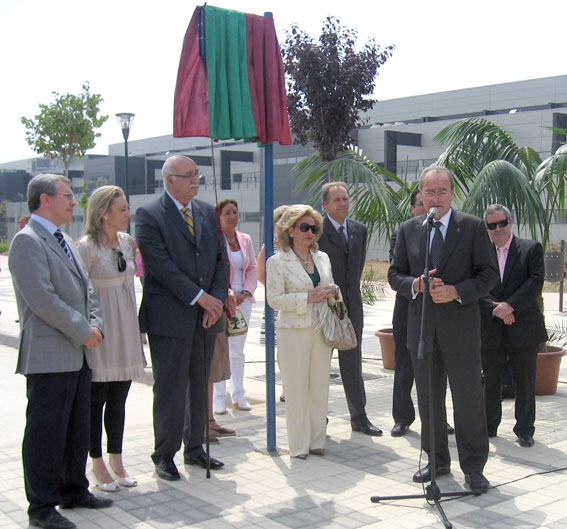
526 440
202 460
367 428
87 502
492 433
477 482
399 429
53 520
450 429
424 475
166 469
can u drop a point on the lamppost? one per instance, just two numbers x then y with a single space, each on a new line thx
125 121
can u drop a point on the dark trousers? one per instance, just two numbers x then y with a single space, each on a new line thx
522 361
461 364
350 364
179 375
56 438
112 397
403 410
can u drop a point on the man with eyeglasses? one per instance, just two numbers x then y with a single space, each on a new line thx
184 293
512 323
61 322
344 241
463 270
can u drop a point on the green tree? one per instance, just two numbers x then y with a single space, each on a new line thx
66 128
489 167
327 85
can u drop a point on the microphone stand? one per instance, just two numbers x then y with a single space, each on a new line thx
432 491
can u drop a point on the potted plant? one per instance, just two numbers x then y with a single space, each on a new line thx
549 358
388 346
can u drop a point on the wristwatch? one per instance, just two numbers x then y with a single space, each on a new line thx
246 292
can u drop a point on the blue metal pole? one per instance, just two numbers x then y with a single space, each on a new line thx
269 243
270 346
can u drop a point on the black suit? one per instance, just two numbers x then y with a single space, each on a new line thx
521 288
452 332
177 266
347 264
403 410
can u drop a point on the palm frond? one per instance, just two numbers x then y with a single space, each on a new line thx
503 183
474 142
375 191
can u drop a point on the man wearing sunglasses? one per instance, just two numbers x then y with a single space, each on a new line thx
344 241
512 323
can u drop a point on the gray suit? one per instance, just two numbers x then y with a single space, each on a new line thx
177 266
57 309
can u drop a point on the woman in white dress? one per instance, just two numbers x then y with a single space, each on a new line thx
110 259
243 282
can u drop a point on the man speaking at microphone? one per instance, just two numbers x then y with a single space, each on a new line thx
463 268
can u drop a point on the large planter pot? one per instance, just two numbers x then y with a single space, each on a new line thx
547 370
386 337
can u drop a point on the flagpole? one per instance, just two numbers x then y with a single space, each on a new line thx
269 245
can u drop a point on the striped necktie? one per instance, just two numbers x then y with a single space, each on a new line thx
62 243
188 220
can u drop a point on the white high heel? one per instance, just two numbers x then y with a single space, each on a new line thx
113 486
125 482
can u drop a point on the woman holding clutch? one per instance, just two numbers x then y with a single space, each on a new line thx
299 282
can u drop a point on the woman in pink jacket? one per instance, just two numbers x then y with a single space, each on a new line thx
243 281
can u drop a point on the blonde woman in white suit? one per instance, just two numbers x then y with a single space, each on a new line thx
299 281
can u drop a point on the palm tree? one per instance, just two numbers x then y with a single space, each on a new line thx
489 167
379 198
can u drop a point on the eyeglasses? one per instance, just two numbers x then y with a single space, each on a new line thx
442 193
69 195
304 227
120 260
196 175
501 224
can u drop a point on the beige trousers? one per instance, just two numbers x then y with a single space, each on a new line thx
305 362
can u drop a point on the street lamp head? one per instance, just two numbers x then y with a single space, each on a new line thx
125 121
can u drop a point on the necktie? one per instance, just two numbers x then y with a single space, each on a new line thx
188 220
501 260
436 245
342 231
62 243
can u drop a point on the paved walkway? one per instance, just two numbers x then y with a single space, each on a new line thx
271 491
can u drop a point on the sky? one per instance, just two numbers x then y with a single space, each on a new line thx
129 51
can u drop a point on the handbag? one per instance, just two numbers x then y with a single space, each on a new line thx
336 327
236 324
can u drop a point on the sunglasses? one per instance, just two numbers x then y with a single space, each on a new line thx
120 260
304 227
501 224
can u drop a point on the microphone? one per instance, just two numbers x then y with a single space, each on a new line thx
430 215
